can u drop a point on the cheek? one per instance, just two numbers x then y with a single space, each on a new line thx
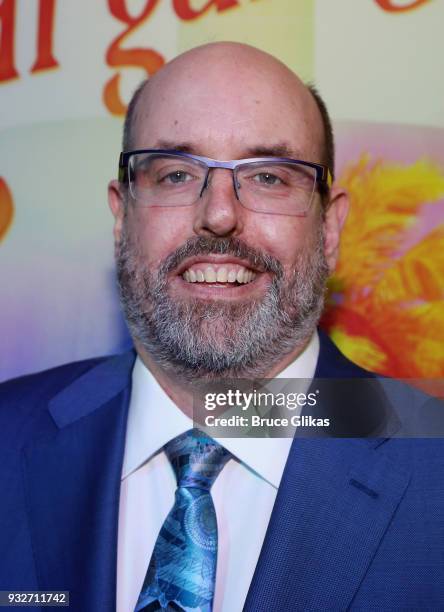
160 231
284 237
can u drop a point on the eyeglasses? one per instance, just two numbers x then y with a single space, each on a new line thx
263 184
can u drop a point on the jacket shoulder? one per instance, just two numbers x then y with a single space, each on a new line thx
46 383
24 400
332 363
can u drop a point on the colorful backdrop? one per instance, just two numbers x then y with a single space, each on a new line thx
67 70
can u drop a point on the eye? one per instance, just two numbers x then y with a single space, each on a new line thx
176 178
267 178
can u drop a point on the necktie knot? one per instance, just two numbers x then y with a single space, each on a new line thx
196 458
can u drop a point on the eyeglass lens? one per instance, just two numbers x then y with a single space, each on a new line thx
169 180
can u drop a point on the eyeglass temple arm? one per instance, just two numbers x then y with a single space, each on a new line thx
122 174
329 178
325 178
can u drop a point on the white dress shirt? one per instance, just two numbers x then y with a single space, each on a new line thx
243 493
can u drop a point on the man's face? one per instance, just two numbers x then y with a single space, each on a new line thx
241 328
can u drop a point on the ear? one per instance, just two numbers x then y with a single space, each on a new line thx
117 206
334 220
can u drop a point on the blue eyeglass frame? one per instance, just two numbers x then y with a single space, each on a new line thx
323 175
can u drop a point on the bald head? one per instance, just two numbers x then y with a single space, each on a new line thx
220 77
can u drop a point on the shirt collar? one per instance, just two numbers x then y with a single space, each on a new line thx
154 420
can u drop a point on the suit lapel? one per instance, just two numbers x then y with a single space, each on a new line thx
333 507
334 504
72 484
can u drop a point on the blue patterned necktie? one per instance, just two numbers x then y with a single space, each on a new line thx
182 570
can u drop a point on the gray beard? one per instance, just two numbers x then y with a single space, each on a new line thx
199 340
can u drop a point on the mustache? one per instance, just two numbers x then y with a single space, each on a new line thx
202 245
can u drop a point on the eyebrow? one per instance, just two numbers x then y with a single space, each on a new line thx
169 145
277 150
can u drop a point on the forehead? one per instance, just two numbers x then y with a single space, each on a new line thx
223 108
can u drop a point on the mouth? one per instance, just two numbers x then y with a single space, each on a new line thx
232 274
213 275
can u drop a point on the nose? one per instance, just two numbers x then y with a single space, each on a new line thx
218 211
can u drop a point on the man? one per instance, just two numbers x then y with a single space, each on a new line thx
221 268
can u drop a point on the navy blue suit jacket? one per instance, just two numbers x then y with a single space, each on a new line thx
358 523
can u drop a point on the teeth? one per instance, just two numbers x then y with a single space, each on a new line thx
192 276
210 275
220 275
232 276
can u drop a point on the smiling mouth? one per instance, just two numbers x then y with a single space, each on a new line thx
234 274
